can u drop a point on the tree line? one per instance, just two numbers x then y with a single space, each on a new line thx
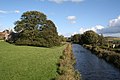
88 37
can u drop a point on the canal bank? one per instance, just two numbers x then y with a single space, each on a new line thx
109 56
66 70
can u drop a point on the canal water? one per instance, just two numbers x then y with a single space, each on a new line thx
93 68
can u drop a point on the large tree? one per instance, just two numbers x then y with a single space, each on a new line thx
35 29
90 37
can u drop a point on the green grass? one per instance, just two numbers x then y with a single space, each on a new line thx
28 63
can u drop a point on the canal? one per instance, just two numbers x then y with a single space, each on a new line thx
93 68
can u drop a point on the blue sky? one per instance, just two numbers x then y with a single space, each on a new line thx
70 16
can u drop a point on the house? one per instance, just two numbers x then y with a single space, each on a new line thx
7 35
4 35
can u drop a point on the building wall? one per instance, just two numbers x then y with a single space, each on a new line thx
2 35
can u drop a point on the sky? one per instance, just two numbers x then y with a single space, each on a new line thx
70 16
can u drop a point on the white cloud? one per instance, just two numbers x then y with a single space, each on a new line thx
2 11
99 27
17 11
96 28
112 30
82 30
61 1
114 22
72 19
74 33
9 12
114 27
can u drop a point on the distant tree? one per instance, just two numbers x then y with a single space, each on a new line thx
36 30
62 38
102 40
89 37
76 38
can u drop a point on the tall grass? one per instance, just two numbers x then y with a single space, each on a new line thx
66 70
28 63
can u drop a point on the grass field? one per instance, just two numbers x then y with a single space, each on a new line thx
28 63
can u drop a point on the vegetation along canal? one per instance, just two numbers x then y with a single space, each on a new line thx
93 68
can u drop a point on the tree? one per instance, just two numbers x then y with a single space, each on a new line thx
36 30
30 20
76 38
102 40
89 37
62 38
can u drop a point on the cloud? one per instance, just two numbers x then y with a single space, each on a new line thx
9 12
114 27
96 28
114 22
74 33
112 30
82 30
61 1
72 19
17 11
3 12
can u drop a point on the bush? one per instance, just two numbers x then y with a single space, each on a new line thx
115 59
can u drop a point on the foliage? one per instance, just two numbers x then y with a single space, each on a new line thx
89 37
36 30
28 63
76 38
62 38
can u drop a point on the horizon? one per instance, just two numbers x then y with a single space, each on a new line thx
70 16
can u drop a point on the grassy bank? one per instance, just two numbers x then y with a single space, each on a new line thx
28 63
66 70
109 56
